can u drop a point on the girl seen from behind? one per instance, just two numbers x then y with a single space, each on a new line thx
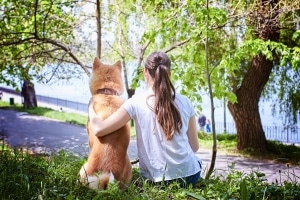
165 123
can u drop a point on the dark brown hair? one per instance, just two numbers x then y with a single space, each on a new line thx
158 65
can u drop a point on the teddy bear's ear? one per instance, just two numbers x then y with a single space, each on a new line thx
97 63
118 64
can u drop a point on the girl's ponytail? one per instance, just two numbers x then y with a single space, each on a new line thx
167 113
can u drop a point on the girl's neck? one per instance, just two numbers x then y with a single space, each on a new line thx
150 84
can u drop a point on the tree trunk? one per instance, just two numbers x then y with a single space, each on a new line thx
245 112
99 28
28 94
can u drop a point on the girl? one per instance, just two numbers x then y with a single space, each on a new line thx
165 126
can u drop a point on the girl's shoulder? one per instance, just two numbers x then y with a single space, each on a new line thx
141 95
182 97
184 104
139 98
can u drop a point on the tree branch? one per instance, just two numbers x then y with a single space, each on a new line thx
46 16
35 22
17 42
174 46
68 50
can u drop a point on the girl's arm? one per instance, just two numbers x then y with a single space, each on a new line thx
192 134
115 121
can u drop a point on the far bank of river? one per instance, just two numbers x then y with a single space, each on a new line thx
78 91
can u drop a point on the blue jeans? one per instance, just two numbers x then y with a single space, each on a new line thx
185 181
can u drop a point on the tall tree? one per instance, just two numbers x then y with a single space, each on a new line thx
267 22
245 111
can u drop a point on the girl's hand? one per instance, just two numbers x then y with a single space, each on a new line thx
94 120
91 112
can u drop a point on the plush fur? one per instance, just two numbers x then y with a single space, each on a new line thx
108 159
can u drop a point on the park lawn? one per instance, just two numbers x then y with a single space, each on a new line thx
56 176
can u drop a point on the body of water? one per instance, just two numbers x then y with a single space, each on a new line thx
77 90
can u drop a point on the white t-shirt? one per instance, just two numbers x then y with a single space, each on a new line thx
160 158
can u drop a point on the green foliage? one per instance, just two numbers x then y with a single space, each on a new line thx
233 184
287 102
225 142
233 41
296 35
188 21
56 177
220 137
34 35
227 137
40 177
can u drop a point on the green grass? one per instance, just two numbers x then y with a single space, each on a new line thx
225 142
27 176
68 117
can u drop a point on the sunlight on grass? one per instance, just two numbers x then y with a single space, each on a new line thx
4 104
226 142
68 117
